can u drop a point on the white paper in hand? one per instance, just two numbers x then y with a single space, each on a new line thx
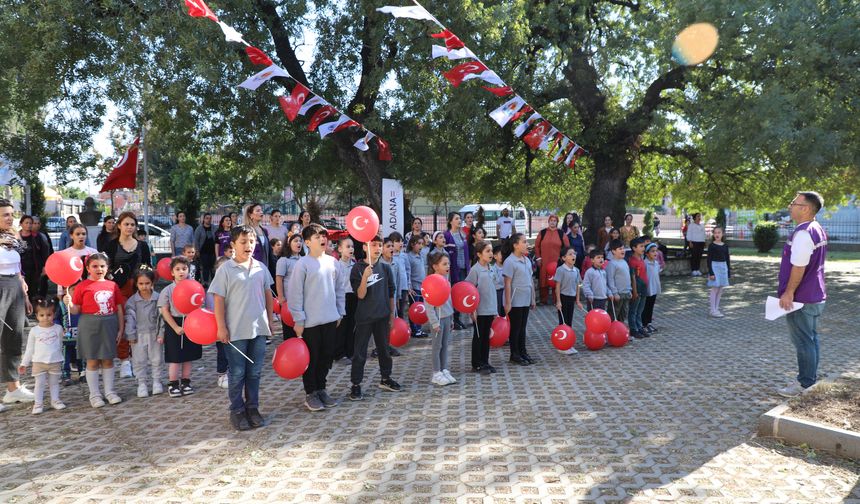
772 310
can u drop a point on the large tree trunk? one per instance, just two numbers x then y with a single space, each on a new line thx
608 193
365 165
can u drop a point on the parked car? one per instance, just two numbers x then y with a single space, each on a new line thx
493 211
158 238
331 224
55 224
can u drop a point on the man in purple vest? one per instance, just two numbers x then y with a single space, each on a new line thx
801 280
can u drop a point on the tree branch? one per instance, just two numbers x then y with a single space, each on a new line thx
588 99
281 37
622 3
639 119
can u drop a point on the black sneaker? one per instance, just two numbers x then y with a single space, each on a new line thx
458 325
238 420
313 403
637 335
186 387
528 358
355 393
645 333
173 390
389 384
255 419
393 351
326 399
374 354
520 361
490 368
652 329
67 380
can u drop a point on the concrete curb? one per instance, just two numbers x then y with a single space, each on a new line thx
795 431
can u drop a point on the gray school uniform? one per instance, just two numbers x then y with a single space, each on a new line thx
498 277
567 280
396 274
653 270
284 268
417 269
166 299
482 278
405 271
594 284
141 316
519 270
244 293
618 277
316 297
344 270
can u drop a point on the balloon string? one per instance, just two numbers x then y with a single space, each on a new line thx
240 352
7 325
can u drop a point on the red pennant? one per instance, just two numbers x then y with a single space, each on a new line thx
451 40
257 56
566 152
455 75
524 110
291 104
578 151
555 144
320 115
124 174
198 8
384 150
500 91
347 124
534 137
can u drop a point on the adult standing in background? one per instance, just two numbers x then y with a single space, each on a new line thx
65 238
577 243
603 233
548 245
222 235
38 231
276 227
234 218
204 242
566 222
417 229
33 258
14 306
505 225
253 217
801 280
628 233
107 234
696 238
407 217
304 219
181 234
468 225
459 252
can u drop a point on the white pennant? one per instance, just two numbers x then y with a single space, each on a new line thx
562 146
262 76
524 126
487 76
412 12
329 127
544 145
506 112
572 152
315 100
362 143
452 54
231 34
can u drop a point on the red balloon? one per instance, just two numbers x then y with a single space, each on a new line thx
500 329
362 223
435 289
465 297
399 334
618 334
163 269
563 337
291 358
594 341
597 321
188 295
276 305
200 327
64 267
551 268
286 316
418 313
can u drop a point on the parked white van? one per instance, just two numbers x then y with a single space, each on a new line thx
492 211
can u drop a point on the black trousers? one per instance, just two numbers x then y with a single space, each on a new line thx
481 341
346 330
321 341
207 268
288 332
519 320
500 301
596 304
568 306
648 312
696 250
379 330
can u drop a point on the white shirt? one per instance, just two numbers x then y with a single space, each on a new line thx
695 232
505 225
10 262
801 248
44 345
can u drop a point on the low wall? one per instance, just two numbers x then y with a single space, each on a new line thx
832 246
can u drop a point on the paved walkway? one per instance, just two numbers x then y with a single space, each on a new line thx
671 418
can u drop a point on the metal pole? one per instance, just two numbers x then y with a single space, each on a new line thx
145 182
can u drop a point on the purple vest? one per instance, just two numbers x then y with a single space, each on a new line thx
811 288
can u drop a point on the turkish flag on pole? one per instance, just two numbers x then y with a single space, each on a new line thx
257 56
291 104
124 174
451 40
198 8
534 137
320 115
456 75
384 149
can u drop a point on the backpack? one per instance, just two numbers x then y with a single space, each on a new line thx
560 234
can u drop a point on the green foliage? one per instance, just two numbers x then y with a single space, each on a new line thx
648 227
721 218
765 236
37 198
70 192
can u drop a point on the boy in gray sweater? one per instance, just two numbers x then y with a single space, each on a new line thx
618 280
594 284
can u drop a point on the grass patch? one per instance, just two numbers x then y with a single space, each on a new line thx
777 252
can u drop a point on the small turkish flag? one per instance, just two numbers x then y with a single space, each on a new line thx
456 75
198 8
124 174
384 150
534 137
524 110
291 104
320 115
500 91
451 40
257 56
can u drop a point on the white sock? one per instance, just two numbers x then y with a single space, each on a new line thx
108 376
719 297
93 383
713 298
39 389
54 383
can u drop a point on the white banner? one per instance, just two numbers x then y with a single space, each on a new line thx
392 207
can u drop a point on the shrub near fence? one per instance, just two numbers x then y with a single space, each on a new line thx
765 236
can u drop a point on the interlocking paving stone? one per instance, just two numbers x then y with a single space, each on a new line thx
670 418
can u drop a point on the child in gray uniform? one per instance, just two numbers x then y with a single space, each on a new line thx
441 319
481 275
141 331
619 281
594 284
567 281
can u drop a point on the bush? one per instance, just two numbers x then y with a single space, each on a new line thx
765 236
648 228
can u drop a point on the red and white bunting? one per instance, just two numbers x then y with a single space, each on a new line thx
257 56
522 128
452 54
451 40
198 8
262 76
411 12
505 114
293 103
362 143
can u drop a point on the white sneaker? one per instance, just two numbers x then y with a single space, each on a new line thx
449 376
113 398
142 391
569 351
718 314
223 381
37 408
439 379
157 388
125 369
20 394
793 390
58 405
2 408
96 401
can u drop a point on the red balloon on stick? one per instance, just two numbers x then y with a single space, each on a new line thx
597 321
276 305
188 295
618 334
594 341
435 289
286 316
64 268
500 330
163 269
200 327
465 297
362 223
291 358
418 313
551 268
563 337
399 334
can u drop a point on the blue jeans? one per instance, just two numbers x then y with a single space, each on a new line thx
244 376
803 329
634 316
